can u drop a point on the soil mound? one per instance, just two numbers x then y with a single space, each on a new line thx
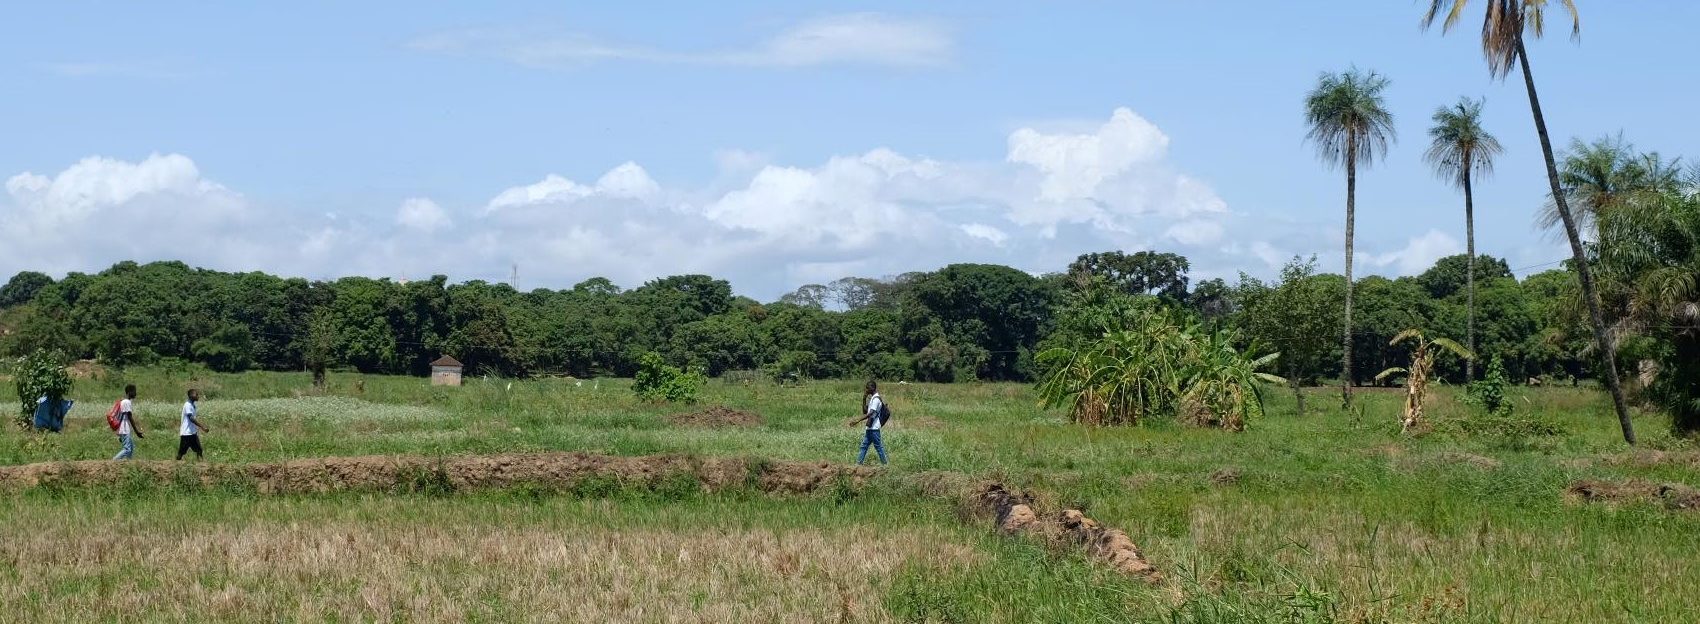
717 416
1228 475
1473 460
399 473
1014 513
1675 496
86 369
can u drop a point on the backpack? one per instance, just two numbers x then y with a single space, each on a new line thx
885 413
112 414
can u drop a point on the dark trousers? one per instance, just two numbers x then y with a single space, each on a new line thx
189 443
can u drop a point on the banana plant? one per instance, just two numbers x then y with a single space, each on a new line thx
1155 363
1420 371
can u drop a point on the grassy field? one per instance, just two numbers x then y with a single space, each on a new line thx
1330 516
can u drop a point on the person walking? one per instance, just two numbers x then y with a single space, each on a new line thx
128 430
189 435
873 413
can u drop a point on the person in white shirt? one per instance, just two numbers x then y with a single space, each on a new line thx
871 413
128 430
189 435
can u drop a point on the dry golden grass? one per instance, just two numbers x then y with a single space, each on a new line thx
452 567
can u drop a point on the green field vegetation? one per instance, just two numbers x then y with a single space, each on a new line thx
1328 517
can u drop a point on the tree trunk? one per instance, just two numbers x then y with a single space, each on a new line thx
1298 392
1351 213
1470 281
1608 351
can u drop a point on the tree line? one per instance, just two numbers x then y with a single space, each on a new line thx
962 322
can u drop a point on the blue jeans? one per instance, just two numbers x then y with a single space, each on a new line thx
129 449
871 438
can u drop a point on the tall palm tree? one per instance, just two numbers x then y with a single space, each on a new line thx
1502 45
1606 174
1462 152
1350 125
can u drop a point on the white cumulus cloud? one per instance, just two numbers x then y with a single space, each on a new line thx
422 214
766 226
97 182
552 189
1075 165
985 232
1419 253
628 181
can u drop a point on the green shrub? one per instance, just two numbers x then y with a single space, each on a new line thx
1488 393
40 374
658 381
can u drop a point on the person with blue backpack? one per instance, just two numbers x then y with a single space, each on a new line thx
876 413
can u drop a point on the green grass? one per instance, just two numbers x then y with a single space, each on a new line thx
1334 516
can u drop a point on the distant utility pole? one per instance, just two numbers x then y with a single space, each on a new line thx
513 278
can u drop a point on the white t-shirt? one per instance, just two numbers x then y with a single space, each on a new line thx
874 403
188 427
124 413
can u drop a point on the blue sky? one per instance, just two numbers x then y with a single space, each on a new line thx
772 144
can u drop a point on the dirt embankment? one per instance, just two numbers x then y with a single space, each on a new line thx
980 501
717 417
1674 496
410 472
1015 513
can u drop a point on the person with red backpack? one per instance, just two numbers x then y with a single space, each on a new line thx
128 430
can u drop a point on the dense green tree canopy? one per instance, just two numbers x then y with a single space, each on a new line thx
1448 275
22 288
961 322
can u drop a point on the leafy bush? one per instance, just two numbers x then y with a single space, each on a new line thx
658 381
40 374
792 367
1488 393
898 366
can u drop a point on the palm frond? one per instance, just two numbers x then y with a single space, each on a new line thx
1348 117
1453 15
1391 371
1503 26
1453 346
1460 148
1405 335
